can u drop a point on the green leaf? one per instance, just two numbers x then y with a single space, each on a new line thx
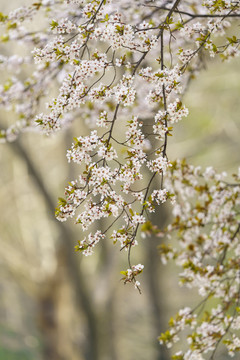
54 24
131 212
123 273
4 38
120 29
11 25
3 17
147 226
169 20
62 201
179 25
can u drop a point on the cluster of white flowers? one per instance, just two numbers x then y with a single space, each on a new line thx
231 51
21 13
117 33
193 30
160 196
81 148
206 216
176 111
124 92
87 244
160 164
77 2
108 153
102 120
220 6
64 26
167 79
130 274
186 55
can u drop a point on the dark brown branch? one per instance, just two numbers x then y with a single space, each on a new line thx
197 15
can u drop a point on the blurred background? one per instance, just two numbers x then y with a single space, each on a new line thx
57 305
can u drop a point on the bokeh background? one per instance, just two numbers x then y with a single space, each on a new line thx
54 303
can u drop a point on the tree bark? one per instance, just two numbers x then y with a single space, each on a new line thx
84 303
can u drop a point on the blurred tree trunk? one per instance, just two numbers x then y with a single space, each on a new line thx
153 271
106 298
47 321
155 276
47 300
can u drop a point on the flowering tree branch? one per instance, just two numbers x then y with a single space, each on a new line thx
124 70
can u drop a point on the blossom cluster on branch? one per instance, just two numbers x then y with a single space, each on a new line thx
123 68
206 218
